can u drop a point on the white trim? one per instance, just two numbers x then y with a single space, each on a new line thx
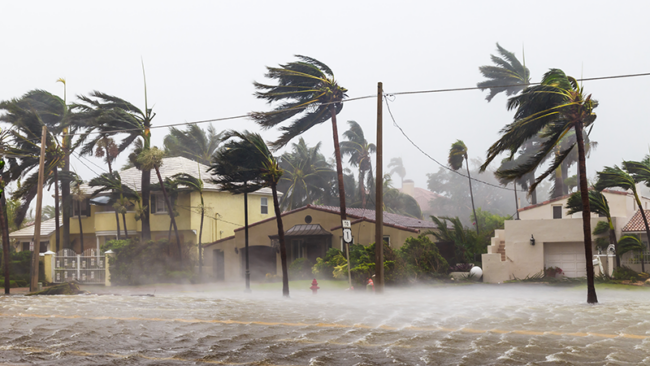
114 232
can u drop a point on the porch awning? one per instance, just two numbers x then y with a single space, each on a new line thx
305 230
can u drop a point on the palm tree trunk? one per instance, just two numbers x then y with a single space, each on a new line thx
169 232
110 171
248 271
516 200
339 165
565 173
283 247
471 194
144 184
362 189
647 230
171 215
612 240
126 233
200 245
66 199
57 219
586 216
81 229
5 239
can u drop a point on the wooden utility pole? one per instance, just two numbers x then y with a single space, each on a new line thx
33 286
379 208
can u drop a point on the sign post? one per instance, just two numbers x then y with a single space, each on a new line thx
347 240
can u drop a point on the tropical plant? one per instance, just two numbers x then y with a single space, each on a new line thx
509 75
629 243
79 196
308 95
120 194
422 256
152 158
616 177
551 110
598 205
194 185
458 154
193 143
254 162
466 242
397 166
359 150
307 175
47 212
108 115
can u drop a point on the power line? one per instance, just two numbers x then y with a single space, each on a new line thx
432 158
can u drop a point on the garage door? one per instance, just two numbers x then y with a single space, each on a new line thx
570 257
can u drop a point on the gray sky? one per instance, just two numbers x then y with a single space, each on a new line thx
201 59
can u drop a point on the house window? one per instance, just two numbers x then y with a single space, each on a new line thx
26 246
85 208
387 240
557 212
265 206
158 204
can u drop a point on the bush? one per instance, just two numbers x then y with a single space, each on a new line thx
136 264
300 269
625 273
325 268
422 260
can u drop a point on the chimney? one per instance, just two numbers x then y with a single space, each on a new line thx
408 187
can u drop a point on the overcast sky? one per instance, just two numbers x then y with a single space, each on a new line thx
201 58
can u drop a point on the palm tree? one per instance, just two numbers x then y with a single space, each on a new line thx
397 166
106 148
508 76
79 196
552 108
458 154
194 143
194 185
152 158
262 163
598 205
306 90
307 176
359 150
120 194
110 115
4 227
629 243
616 177
233 170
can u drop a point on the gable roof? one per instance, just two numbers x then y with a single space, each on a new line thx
636 222
390 219
171 166
47 228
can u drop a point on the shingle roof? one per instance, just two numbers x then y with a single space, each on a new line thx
612 191
636 222
171 166
47 228
389 218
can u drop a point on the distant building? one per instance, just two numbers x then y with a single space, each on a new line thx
422 196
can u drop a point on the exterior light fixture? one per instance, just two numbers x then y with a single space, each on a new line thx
532 240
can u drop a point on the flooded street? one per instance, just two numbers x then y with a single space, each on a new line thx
461 325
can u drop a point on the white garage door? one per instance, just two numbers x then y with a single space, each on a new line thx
570 257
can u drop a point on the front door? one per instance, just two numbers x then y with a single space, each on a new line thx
217 264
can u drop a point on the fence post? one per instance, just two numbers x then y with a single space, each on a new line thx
48 266
78 268
107 275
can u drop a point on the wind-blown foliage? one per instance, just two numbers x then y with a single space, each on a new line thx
458 154
508 76
194 185
629 243
194 143
359 150
550 110
397 166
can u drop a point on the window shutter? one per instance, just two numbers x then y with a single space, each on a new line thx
152 203
86 208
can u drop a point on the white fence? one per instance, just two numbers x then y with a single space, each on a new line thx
88 268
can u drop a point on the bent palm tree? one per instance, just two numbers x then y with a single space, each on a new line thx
79 196
120 193
551 110
598 205
616 177
269 172
195 185
359 151
630 243
458 154
194 143
508 76
308 95
397 166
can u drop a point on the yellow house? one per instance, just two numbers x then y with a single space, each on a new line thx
309 232
224 211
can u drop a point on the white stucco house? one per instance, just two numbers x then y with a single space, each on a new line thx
545 236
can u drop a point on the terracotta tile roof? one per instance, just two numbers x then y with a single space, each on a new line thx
423 197
636 222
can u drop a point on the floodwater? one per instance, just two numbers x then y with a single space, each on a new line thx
461 325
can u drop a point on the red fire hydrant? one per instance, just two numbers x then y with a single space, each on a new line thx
314 286
370 283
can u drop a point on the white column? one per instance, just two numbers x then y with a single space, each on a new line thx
78 267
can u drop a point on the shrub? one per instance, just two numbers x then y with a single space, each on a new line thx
625 273
135 264
300 269
461 267
553 271
324 268
422 258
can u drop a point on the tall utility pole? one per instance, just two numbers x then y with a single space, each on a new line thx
37 222
379 199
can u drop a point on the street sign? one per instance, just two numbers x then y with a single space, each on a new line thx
346 224
347 236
